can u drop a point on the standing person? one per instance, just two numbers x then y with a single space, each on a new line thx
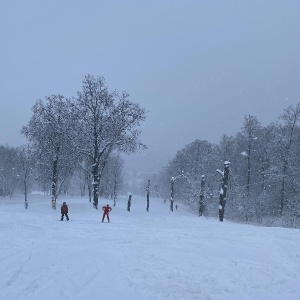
64 211
106 209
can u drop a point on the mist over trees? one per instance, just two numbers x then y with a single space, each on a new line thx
75 146
264 180
9 170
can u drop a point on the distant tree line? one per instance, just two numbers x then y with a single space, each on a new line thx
75 141
264 180
76 144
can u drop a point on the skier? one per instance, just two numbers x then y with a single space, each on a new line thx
106 209
64 211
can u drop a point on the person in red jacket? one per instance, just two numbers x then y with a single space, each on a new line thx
106 209
64 211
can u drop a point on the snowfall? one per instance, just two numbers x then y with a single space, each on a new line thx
140 255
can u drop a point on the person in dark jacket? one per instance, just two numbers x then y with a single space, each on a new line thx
64 211
106 209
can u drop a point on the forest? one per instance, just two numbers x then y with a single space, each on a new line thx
76 146
264 173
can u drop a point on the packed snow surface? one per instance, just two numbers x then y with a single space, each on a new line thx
140 255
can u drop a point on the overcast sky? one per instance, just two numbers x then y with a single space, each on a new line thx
197 66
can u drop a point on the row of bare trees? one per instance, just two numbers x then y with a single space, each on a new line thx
9 166
264 180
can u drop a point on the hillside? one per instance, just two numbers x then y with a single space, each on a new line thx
140 255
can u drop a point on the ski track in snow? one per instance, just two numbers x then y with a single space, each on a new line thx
153 255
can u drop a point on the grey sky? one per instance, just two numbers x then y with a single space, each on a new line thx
197 66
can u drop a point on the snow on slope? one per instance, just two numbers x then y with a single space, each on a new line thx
140 255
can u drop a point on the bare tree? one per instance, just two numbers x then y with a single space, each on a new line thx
9 170
50 132
106 121
250 130
29 160
290 117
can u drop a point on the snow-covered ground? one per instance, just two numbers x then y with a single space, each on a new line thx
140 255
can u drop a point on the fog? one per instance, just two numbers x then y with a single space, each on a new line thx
197 66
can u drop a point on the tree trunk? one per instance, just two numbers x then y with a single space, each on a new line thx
115 188
201 201
95 184
89 186
148 194
249 168
223 192
54 180
282 195
25 193
115 198
129 203
172 195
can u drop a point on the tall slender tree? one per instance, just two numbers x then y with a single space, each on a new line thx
250 131
28 166
289 131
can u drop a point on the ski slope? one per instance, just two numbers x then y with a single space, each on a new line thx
140 255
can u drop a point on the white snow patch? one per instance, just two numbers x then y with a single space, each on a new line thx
140 255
